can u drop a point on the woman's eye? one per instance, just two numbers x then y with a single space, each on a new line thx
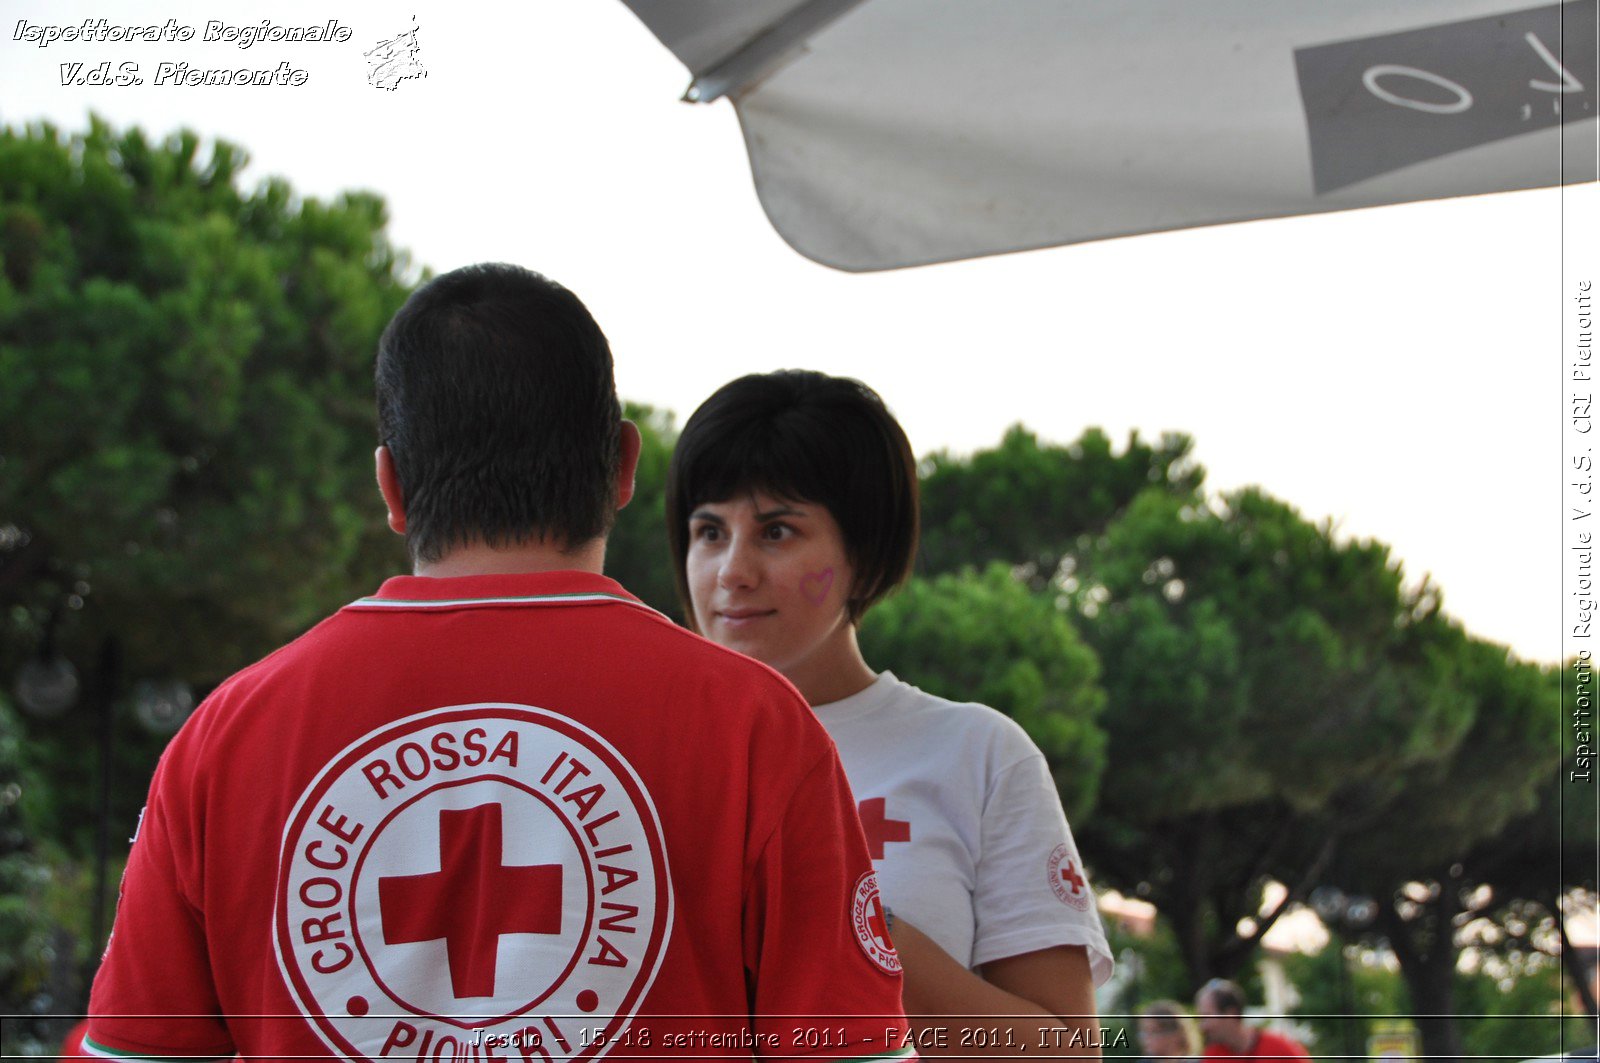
777 531
706 532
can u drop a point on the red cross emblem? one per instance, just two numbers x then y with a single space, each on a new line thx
879 828
471 900
453 871
871 926
877 924
1070 887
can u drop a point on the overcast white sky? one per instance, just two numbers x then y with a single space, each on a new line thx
1398 370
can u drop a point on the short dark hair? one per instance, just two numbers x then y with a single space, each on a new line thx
803 436
1225 995
497 400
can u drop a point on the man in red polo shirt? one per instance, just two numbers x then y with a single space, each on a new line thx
1220 1008
500 809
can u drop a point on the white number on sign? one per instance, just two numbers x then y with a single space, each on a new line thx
1568 82
1463 98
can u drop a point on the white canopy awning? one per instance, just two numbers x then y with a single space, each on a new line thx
886 133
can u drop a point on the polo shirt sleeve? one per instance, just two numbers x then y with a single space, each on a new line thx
1031 890
824 979
153 996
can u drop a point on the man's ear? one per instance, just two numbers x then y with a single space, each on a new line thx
389 487
631 442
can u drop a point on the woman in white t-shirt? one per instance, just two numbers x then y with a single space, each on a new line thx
792 508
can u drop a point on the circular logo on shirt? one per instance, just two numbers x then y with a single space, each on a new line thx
871 924
468 880
1066 879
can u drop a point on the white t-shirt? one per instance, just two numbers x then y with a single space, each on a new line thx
964 825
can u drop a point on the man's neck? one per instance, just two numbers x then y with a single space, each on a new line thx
478 559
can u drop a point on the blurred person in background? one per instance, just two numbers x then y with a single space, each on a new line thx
1167 1032
1220 1007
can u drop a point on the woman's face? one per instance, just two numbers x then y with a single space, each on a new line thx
769 577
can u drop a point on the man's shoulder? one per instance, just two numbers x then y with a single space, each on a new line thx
252 675
283 658
687 656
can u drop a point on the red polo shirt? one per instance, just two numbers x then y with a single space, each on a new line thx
509 817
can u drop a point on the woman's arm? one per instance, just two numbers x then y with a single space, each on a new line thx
1038 1004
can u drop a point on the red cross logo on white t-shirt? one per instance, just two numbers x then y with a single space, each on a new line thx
879 828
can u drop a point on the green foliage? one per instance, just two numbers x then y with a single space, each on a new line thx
1255 638
1346 993
1460 825
186 423
1516 1012
1259 673
986 638
1552 848
1491 777
24 928
637 554
185 436
1504 1009
1026 503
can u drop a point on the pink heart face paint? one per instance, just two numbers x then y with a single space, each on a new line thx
816 585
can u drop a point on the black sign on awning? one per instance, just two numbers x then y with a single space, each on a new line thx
1377 104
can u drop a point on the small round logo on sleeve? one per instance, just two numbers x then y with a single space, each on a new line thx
1066 879
871 924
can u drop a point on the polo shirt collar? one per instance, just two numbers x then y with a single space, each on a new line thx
567 587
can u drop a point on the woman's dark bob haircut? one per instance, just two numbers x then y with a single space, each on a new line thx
803 436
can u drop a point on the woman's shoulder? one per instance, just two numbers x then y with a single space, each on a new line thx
972 723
